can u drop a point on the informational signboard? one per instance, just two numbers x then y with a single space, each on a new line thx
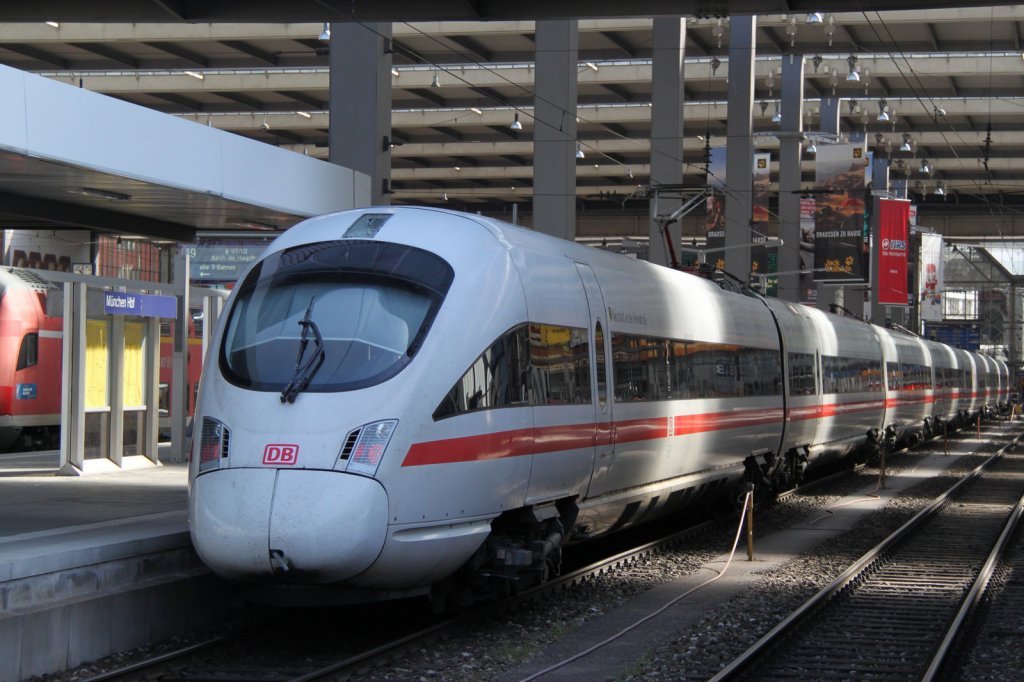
219 263
139 305
965 335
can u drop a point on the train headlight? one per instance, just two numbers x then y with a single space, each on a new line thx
213 443
364 447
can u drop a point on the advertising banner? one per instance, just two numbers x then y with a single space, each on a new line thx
893 250
840 249
714 220
931 285
762 183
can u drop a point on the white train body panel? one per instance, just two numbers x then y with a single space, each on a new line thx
472 370
947 379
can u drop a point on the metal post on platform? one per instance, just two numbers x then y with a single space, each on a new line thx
881 470
179 359
72 422
750 522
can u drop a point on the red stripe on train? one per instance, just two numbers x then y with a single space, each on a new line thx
544 439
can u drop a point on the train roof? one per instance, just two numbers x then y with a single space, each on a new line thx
10 276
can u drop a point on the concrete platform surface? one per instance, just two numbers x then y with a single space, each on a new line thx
34 499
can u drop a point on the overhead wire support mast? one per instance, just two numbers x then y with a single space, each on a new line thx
664 220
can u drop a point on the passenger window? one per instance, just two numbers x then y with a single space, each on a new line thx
801 374
498 378
561 372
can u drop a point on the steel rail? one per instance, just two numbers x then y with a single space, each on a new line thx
748 657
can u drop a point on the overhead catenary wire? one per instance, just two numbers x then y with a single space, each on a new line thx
592 149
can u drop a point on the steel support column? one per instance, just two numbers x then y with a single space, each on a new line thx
667 81
554 136
790 177
827 295
359 132
740 154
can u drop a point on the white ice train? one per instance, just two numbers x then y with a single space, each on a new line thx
406 399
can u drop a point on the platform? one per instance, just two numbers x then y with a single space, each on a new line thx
94 565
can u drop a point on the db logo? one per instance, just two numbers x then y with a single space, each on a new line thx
278 453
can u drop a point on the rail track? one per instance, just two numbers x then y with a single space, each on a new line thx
895 613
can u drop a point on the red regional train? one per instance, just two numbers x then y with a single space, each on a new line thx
408 401
31 344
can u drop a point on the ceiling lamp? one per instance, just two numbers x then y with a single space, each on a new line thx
579 152
325 34
940 189
718 30
516 125
854 75
830 28
815 18
777 118
812 148
925 168
906 146
435 82
883 115
791 30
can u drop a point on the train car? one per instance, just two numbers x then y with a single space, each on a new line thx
408 400
31 361
947 378
835 401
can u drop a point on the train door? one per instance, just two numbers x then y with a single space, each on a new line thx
600 343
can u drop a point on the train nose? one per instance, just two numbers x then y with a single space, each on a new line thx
303 526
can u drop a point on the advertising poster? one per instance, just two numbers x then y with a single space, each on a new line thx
840 250
930 285
759 211
714 220
808 289
893 250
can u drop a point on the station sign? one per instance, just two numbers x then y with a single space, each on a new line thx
221 262
139 305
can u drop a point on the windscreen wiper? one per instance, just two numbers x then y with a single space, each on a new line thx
306 369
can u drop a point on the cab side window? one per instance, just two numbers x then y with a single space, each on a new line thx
28 354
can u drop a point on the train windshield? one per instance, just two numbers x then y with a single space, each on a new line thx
375 303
